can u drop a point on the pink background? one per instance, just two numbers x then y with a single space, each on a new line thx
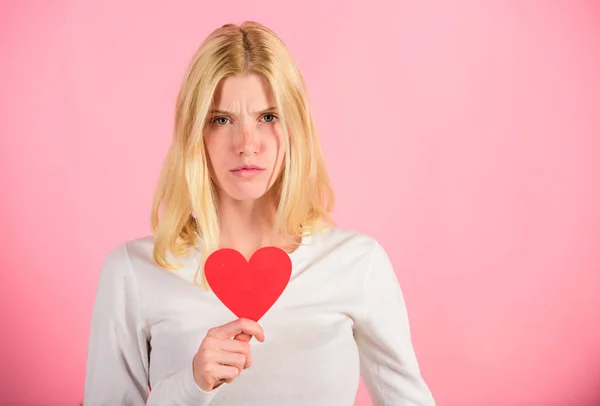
463 135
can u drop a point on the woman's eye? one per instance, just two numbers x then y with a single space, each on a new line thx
221 120
269 118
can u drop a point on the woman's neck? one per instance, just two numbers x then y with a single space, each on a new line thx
247 226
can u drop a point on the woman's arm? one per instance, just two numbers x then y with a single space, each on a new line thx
388 362
117 363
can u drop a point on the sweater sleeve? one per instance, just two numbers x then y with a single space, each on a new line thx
118 358
389 365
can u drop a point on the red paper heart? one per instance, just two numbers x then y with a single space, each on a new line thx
248 289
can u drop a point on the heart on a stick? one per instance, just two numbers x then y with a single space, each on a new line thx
248 288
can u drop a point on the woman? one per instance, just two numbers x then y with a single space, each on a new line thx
245 170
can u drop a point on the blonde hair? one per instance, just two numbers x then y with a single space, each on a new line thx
304 194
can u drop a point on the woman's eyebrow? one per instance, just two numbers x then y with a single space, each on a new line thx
268 109
230 113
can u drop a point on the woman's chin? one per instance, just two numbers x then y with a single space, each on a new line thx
246 193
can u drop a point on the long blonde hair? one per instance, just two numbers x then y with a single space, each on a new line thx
304 194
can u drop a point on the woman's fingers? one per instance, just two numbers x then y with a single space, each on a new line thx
237 346
225 352
236 327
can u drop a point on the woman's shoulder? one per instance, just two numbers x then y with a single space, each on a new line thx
335 238
131 257
135 249
337 234
135 257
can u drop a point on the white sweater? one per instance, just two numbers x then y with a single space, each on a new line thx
341 316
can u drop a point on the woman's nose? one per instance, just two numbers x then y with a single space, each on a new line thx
248 141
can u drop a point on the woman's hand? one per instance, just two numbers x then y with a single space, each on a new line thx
225 353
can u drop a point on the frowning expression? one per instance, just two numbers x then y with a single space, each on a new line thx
243 138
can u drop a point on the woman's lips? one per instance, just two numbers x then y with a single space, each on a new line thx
247 171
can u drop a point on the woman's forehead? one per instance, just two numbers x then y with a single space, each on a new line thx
250 92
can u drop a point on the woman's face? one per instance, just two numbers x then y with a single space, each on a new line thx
244 138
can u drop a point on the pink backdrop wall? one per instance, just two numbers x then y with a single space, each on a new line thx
465 136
